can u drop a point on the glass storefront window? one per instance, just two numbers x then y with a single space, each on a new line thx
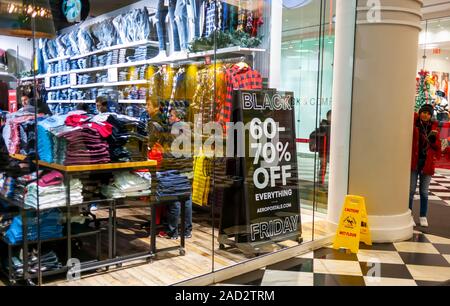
214 102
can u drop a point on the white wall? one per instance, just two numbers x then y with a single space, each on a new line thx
10 44
439 63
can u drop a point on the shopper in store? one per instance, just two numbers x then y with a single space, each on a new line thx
102 104
426 148
174 209
28 104
319 141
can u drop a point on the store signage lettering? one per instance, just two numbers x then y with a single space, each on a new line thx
273 228
270 102
270 164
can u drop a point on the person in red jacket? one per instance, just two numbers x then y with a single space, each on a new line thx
426 148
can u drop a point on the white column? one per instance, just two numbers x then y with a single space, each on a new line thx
341 107
386 45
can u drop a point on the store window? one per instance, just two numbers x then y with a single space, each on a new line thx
433 66
307 68
193 136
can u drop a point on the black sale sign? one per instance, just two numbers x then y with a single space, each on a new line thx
270 165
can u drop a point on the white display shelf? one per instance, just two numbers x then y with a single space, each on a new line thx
58 87
82 101
39 76
115 47
71 101
133 101
168 60
59 101
233 50
58 59
84 70
57 74
89 85
125 83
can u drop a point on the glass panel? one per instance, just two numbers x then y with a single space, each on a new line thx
307 58
24 221
433 66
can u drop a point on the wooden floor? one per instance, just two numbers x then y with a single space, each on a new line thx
168 268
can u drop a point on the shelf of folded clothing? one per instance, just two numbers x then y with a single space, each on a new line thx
88 85
58 87
56 59
91 69
39 76
115 47
79 235
230 50
133 101
98 167
126 83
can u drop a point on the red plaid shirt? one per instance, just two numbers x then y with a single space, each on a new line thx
237 78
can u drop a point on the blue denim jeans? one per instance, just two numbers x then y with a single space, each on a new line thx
193 15
173 213
173 24
181 19
423 191
161 14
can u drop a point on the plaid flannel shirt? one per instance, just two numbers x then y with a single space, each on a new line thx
237 78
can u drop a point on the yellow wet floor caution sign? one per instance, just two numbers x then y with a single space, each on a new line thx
353 225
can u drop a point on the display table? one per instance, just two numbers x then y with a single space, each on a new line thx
70 172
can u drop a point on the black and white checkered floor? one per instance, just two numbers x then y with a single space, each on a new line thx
424 260
439 189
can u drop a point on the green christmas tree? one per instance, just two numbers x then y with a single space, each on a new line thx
423 90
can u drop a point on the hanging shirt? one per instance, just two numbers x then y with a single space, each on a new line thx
238 77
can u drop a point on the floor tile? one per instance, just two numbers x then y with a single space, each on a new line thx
447 257
418 238
386 281
337 280
426 273
416 247
341 267
428 283
293 264
442 248
287 278
329 253
378 246
385 270
379 256
252 278
437 239
424 259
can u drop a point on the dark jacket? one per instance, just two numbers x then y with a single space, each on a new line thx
319 139
433 150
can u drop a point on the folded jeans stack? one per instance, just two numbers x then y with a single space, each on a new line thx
172 183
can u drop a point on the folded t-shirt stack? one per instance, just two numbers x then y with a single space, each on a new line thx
128 184
86 144
172 183
50 227
128 139
52 191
